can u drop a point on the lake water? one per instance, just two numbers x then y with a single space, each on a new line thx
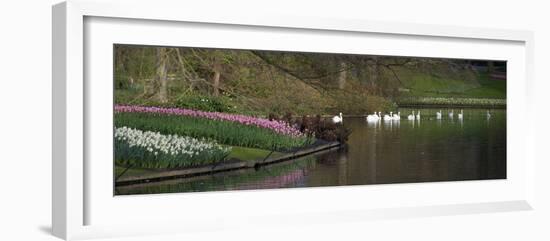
384 152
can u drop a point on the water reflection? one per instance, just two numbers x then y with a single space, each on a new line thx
424 150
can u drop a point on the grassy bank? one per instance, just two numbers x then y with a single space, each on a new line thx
427 85
424 90
237 152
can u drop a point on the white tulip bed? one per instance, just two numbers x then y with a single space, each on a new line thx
149 149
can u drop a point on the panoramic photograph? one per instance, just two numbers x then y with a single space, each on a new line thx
190 119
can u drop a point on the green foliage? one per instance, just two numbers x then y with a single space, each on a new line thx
121 80
204 103
228 133
355 100
133 62
263 82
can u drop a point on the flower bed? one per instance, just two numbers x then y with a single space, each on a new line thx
224 132
153 150
280 127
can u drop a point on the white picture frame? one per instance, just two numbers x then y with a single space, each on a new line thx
78 195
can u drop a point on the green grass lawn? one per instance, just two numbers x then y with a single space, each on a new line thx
425 85
425 89
246 153
237 152
495 89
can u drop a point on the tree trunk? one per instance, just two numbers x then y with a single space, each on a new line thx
373 73
162 79
342 77
216 80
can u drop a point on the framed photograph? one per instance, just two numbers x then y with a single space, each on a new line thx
180 121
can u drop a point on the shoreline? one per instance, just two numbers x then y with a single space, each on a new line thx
450 102
160 175
450 106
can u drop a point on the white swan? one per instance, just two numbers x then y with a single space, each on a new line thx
397 116
369 115
438 115
338 118
418 115
451 114
388 117
411 116
461 114
373 117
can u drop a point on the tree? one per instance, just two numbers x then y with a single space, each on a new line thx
161 74
373 71
342 76
216 68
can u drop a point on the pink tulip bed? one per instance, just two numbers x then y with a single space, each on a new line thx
280 127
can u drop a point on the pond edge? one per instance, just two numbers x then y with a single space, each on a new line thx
221 167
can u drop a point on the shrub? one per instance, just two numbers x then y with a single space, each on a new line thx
204 103
320 128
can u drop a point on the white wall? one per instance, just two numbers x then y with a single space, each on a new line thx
25 119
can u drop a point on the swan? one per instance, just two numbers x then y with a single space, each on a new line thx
411 116
438 115
451 114
418 115
373 117
338 118
461 114
388 117
397 116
